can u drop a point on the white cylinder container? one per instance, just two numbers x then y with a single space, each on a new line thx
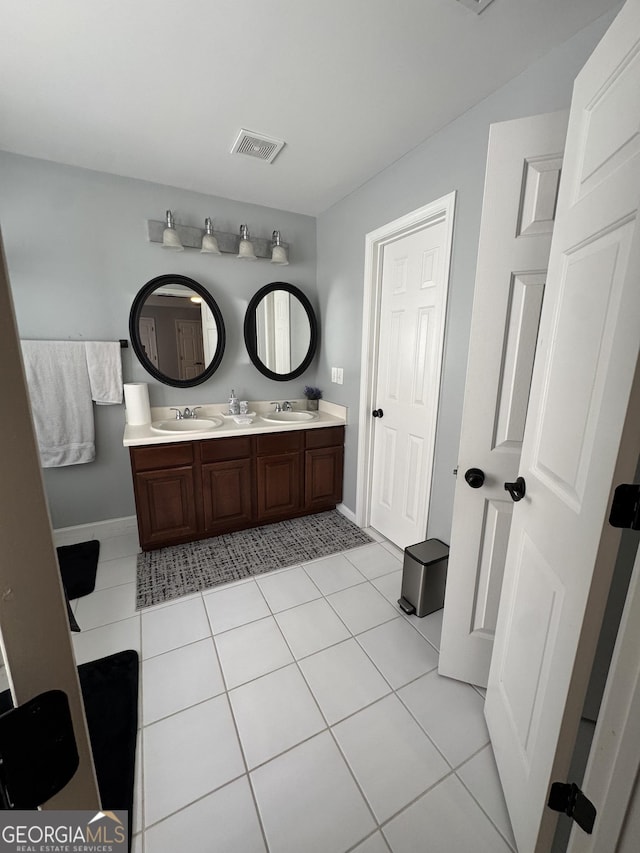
136 400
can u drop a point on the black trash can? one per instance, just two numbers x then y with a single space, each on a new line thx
424 576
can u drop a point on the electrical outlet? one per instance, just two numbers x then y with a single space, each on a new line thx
339 375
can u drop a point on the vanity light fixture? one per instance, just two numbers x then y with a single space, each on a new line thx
278 253
170 239
172 235
209 241
245 249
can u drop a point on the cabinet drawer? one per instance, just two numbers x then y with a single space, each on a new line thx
327 437
280 442
221 449
161 456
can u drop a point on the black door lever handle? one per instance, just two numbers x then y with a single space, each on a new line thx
517 490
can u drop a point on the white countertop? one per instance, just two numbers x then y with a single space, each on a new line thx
329 414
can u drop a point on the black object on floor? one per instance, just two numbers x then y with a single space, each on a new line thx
110 692
38 749
78 567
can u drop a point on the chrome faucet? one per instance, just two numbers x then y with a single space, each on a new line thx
278 406
287 407
188 413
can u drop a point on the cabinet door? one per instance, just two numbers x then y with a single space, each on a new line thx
279 486
323 477
227 493
166 506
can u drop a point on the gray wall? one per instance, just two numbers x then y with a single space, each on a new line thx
77 254
453 159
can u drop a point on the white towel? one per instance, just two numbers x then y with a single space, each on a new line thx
104 364
60 394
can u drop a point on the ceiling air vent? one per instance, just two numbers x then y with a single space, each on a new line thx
476 6
257 145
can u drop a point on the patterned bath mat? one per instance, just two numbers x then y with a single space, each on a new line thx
169 573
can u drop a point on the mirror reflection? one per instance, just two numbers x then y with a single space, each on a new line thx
177 330
283 331
280 331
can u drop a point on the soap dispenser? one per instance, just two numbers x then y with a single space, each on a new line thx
234 404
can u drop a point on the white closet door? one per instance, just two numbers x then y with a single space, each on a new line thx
520 195
582 438
412 314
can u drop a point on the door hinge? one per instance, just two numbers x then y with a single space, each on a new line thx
569 799
625 507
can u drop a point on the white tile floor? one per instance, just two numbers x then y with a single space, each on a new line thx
297 712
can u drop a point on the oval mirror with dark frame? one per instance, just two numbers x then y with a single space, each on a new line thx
177 331
280 331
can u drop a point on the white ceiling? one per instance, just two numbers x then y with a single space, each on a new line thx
158 89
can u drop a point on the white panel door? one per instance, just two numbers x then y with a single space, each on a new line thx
281 330
412 314
582 438
147 328
209 333
273 330
190 348
520 196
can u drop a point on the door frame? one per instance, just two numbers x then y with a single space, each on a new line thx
35 637
440 210
611 778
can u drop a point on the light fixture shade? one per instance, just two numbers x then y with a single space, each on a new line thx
245 249
170 239
278 252
209 242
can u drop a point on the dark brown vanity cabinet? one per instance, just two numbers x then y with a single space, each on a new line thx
195 489
165 486
279 475
323 465
227 484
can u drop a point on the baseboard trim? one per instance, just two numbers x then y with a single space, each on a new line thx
344 510
95 530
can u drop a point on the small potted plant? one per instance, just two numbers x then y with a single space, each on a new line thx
312 395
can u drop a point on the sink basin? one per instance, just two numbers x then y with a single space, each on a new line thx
289 417
195 425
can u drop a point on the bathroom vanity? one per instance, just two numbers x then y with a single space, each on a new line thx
209 475
233 478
